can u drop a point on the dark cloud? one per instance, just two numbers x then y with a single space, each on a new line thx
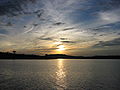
67 29
58 23
106 28
102 34
35 25
115 42
42 38
111 25
10 6
13 7
9 24
68 41
39 14
105 5
63 38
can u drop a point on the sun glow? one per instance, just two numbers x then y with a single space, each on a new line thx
61 48
57 43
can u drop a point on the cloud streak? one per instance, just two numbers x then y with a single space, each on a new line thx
114 42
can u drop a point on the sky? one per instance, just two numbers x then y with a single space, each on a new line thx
73 27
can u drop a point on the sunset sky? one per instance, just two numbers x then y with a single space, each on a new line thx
73 27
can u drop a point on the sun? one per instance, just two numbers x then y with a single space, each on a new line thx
61 48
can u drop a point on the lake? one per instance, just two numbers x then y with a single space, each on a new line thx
60 74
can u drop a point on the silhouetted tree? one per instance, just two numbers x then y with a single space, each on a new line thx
14 52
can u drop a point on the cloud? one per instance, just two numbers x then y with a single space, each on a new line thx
2 36
114 42
112 25
102 32
46 38
47 49
3 31
67 29
107 27
29 30
68 41
14 7
58 23
9 7
108 4
63 38
110 16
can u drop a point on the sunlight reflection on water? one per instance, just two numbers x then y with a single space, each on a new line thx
61 75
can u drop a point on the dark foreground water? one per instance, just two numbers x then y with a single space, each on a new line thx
60 74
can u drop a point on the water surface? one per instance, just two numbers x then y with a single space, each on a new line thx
60 74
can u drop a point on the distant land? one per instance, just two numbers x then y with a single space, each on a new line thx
6 55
